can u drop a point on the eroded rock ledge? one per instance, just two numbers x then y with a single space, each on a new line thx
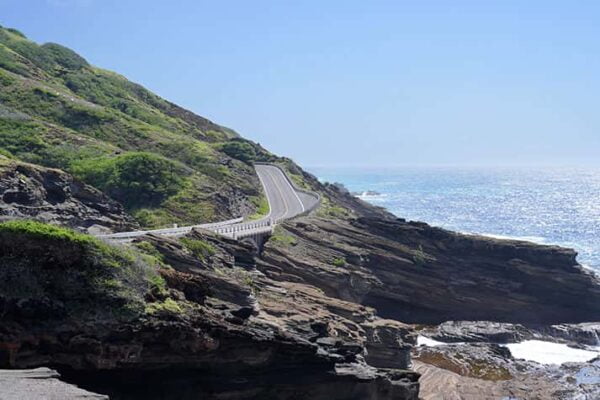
51 195
213 331
415 273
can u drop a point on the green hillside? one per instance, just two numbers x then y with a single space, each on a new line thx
162 162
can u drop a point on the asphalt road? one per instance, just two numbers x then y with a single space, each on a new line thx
284 203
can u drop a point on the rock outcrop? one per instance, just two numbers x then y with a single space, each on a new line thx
415 273
475 371
40 383
223 330
587 333
50 195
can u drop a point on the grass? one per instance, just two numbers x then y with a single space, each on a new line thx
262 207
149 249
475 368
166 307
330 209
281 237
40 230
339 262
90 278
419 257
199 248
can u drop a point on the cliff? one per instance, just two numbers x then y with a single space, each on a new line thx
53 196
137 322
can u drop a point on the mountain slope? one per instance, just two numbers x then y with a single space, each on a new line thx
59 111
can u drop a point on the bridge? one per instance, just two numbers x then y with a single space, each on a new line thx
285 200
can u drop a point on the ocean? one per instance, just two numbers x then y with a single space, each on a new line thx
544 205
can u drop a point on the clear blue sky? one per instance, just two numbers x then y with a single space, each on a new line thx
357 82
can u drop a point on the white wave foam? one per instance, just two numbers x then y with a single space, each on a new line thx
534 239
366 196
550 353
425 341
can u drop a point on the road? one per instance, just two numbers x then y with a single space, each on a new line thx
284 200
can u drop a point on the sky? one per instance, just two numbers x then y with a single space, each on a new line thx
357 83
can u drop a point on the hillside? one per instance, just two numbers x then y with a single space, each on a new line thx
162 162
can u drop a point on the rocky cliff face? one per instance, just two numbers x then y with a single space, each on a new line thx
50 195
214 328
416 273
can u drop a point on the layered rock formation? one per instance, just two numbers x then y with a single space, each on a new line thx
415 273
224 331
50 195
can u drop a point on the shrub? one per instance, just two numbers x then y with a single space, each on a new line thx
166 307
240 150
73 275
149 249
21 136
198 248
419 256
339 262
135 179
16 32
64 57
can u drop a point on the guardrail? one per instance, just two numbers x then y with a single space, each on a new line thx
244 227
171 231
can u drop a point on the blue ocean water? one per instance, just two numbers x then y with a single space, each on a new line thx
545 205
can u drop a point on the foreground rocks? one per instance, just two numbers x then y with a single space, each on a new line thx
40 383
213 331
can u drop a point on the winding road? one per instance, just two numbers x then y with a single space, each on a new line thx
285 202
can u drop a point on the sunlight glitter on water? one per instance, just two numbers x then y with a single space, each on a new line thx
544 205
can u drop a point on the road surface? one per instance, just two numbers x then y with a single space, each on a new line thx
284 202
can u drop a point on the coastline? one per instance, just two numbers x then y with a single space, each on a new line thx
535 206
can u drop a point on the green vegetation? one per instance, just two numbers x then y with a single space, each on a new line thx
64 57
135 179
164 308
199 248
84 277
280 237
241 150
58 111
262 207
149 249
330 209
339 262
48 232
420 258
474 368
16 32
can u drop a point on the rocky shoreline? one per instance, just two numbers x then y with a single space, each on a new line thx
473 362
329 308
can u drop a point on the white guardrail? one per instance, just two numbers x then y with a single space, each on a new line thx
172 231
